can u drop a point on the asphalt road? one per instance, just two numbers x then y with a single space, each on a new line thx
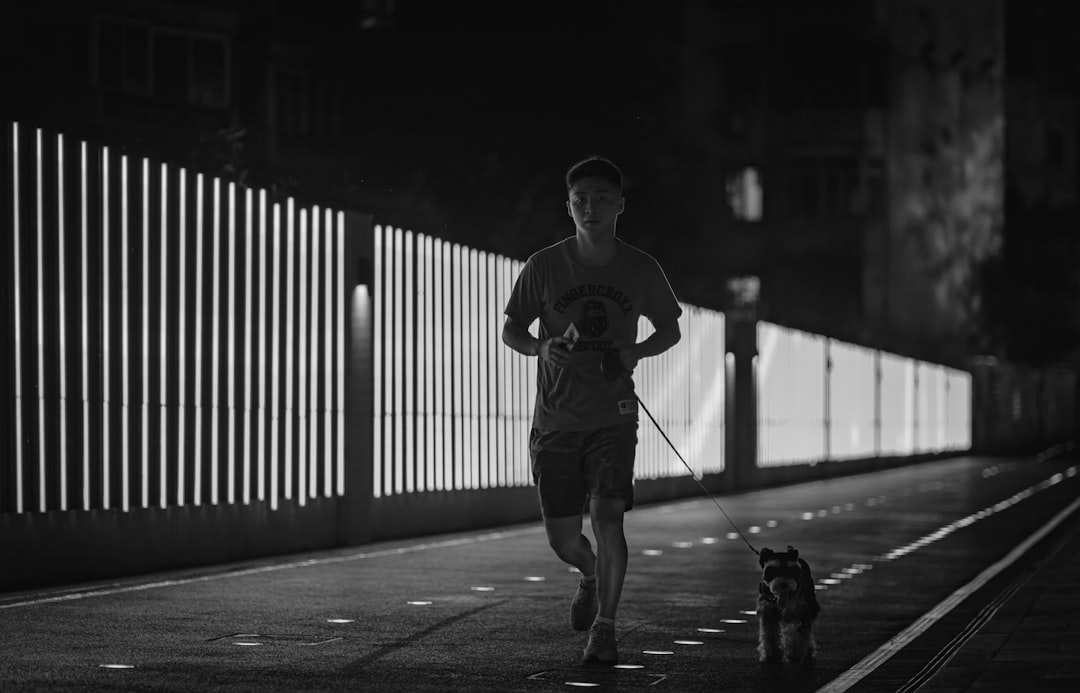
488 611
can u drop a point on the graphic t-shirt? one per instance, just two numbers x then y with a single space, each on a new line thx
599 308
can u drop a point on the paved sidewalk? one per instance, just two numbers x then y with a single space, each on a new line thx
1032 642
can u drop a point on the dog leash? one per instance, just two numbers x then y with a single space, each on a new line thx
612 369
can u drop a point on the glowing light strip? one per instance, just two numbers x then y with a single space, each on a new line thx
85 323
422 373
302 362
260 380
399 356
40 264
125 339
62 310
429 359
409 413
17 282
250 381
438 411
163 346
340 376
330 367
290 288
215 346
480 364
106 455
181 342
199 319
377 423
144 299
458 345
468 386
275 361
230 350
498 378
313 365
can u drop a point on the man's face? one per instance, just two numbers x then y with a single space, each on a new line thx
594 205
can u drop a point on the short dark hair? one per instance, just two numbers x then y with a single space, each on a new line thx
595 167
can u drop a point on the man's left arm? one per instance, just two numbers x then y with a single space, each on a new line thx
667 335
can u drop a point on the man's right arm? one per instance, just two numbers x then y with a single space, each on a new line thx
517 336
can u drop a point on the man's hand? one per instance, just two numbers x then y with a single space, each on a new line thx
556 351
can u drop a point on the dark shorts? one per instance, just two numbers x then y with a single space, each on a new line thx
570 467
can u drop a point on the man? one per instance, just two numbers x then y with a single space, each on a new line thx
588 292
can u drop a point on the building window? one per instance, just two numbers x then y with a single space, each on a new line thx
827 187
163 64
305 105
745 195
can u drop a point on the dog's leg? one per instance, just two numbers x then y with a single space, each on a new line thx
768 634
792 642
811 644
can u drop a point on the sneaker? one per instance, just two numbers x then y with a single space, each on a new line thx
585 606
601 648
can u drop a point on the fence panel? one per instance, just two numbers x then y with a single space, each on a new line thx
151 365
790 382
853 401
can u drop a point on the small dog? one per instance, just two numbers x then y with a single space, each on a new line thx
787 608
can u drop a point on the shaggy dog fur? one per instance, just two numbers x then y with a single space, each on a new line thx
787 608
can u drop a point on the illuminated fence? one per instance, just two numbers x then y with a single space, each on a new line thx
174 338
684 388
821 399
453 405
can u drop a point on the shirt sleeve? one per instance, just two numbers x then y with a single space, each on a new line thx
662 306
527 297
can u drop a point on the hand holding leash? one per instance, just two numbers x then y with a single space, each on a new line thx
611 365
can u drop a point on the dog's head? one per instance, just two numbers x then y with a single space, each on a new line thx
784 576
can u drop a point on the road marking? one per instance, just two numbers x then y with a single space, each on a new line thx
122 589
875 659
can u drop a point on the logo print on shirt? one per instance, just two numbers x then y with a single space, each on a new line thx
594 320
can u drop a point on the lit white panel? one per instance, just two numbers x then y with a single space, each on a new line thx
852 401
378 368
61 249
409 343
341 369
330 369
275 337
288 336
17 280
481 312
426 344
896 405
312 404
144 357
458 344
84 314
438 358
958 410
498 301
260 339
125 340
230 350
302 363
163 344
397 295
215 346
791 396
472 457
39 255
262 336
181 342
250 378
